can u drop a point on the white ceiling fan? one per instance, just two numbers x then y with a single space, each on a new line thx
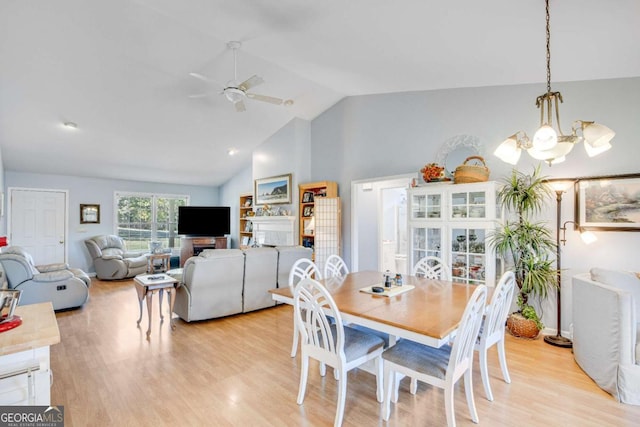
235 91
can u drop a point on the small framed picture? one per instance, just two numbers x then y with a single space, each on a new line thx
307 211
307 197
89 214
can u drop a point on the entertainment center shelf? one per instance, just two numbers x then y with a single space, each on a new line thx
191 246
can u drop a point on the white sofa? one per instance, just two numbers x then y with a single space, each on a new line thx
223 282
606 309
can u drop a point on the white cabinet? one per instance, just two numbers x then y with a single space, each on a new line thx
25 366
453 222
25 378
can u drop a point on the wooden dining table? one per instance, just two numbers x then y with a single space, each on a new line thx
429 313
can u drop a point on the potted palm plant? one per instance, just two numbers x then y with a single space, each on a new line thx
526 247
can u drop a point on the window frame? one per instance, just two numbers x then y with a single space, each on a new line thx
117 195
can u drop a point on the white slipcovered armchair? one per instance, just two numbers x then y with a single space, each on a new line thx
111 259
64 287
606 309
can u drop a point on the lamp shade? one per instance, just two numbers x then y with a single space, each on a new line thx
508 151
594 151
561 185
596 135
310 226
588 237
554 155
545 138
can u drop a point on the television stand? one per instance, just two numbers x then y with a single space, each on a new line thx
191 246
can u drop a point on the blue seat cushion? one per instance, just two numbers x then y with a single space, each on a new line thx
420 358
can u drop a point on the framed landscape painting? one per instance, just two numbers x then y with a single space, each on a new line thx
608 203
273 190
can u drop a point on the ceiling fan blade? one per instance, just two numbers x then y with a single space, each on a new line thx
201 77
199 95
265 98
250 82
240 106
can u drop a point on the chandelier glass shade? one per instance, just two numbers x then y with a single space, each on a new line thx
549 143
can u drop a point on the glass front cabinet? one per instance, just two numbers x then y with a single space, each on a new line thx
453 222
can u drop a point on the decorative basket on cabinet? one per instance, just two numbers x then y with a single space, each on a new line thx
466 173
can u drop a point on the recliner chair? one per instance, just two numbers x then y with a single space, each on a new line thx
111 259
64 287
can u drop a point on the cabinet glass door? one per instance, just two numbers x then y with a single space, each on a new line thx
471 204
468 259
425 241
426 206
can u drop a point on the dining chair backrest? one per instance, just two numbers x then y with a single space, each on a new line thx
335 267
431 267
493 328
302 269
315 311
464 342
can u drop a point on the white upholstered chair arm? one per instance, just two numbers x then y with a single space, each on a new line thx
52 267
53 276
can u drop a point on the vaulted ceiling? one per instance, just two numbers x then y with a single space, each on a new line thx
121 70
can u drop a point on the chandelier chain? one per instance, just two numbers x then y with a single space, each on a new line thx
548 30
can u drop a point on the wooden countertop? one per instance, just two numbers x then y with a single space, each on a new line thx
39 328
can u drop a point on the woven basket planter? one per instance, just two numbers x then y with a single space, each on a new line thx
521 327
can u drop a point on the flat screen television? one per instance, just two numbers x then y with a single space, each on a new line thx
212 221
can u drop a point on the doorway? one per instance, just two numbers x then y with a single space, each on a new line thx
392 245
379 224
37 221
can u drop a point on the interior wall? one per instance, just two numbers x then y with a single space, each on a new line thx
230 192
101 192
287 151
380 135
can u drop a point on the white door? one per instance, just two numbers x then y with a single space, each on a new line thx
37 222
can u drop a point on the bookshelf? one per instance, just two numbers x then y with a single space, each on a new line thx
245 230
308 193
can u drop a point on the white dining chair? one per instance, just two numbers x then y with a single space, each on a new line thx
330 342
441 367
431 267
301 269
492 330
335 267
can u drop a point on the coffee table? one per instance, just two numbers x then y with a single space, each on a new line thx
147 285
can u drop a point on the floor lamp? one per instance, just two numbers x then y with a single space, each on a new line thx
560 186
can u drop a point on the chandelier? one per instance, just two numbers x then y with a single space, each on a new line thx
549 142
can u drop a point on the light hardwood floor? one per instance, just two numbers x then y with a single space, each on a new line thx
237 371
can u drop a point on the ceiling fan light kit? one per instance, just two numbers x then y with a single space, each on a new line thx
549 143
236 92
